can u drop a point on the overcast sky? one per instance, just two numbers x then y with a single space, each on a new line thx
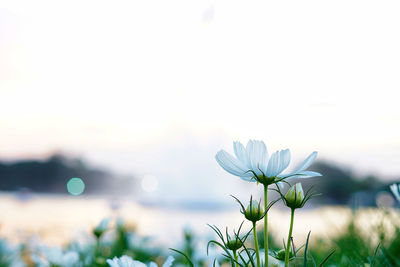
157 87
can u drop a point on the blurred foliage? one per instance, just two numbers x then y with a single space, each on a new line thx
355 246
352 246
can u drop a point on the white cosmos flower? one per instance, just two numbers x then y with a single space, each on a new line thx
252 163
396 191
10 255
55 256
126 261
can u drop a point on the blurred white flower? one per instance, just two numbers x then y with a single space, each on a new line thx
396 191
126 261
272 262
214 263
86 252
167 263
55 256
252 163
10 255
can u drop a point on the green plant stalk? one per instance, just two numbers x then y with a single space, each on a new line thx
236 258
256 244
266 224
97 248
289 238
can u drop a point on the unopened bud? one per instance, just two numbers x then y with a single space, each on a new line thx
254 211
234 244
99 230
280 255
295 196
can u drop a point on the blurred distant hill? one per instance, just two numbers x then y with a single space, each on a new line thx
339 185
51 176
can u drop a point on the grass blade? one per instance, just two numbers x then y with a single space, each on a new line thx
306 249
326 259
184 255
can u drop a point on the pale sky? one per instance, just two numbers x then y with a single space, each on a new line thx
157 87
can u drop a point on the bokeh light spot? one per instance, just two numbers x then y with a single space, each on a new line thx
149 183
384 200
75 186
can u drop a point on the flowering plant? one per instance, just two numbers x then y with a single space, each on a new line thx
253 163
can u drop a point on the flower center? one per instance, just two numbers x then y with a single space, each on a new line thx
262 179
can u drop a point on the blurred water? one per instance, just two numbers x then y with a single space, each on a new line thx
56 219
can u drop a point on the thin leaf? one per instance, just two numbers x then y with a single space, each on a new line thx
376 252
184 255
306 249
326 259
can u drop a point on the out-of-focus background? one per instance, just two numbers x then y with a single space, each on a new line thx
118 107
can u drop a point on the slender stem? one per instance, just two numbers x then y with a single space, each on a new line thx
256 244
289 238
96 252
266 224
236 258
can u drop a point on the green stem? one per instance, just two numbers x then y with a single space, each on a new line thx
256 244
97 247
289 238
236 258
266 224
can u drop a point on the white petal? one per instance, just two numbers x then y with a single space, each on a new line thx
278 162
307 162
308 174
40 261
248 179
264 162
124 261
395 190
70 258
240 153
272 165
168 262
301 174
153 264
256 155
137 264
232 165
284 160
113 262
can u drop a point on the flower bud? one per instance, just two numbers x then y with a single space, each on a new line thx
254 211
234 244
99 230
280 255
295 196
